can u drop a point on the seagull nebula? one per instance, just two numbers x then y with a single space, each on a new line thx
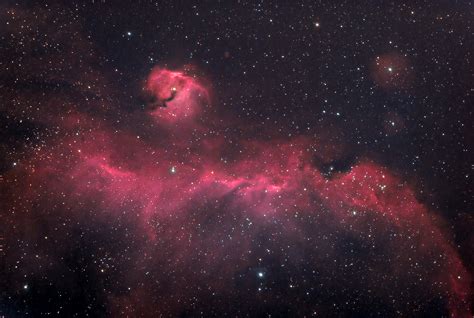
236 160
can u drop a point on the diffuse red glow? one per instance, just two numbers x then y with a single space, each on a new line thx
267 180
392 71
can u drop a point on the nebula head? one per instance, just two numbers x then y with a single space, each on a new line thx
175 96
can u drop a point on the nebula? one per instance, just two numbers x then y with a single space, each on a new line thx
182 95
185 223
392 71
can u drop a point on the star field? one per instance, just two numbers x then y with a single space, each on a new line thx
236 159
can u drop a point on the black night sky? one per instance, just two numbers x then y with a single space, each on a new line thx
236 159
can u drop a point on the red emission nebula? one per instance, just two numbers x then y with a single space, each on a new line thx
199 212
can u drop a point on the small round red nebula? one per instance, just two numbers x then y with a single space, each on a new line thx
392 70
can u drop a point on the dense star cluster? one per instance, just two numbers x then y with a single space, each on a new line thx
236 159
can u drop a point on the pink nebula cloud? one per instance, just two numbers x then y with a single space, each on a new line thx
165 186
